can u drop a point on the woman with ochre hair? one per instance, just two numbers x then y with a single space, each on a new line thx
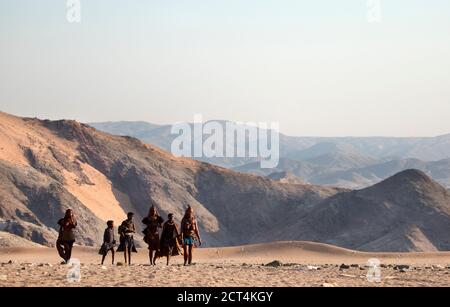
66 237
190 233
151 233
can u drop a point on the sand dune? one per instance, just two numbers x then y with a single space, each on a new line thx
289 251
303 264
99 197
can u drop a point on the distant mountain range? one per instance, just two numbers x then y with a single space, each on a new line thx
350 162
49 166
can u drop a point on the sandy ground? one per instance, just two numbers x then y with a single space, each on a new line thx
301 264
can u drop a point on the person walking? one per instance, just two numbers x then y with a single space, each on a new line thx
190 234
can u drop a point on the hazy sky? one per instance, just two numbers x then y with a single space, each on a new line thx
317 67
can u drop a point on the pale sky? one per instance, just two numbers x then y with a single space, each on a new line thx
319 68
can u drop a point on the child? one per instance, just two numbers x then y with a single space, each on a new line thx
108 242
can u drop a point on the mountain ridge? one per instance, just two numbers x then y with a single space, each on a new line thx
49 166
385 214
347 162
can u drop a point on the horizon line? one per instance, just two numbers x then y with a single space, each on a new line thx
226 120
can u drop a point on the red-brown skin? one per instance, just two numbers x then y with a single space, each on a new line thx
188 249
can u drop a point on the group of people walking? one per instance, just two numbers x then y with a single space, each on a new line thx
166 244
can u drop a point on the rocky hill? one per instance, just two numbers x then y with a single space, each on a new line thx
407 212
49 166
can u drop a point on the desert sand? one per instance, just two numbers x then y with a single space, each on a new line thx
299 264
